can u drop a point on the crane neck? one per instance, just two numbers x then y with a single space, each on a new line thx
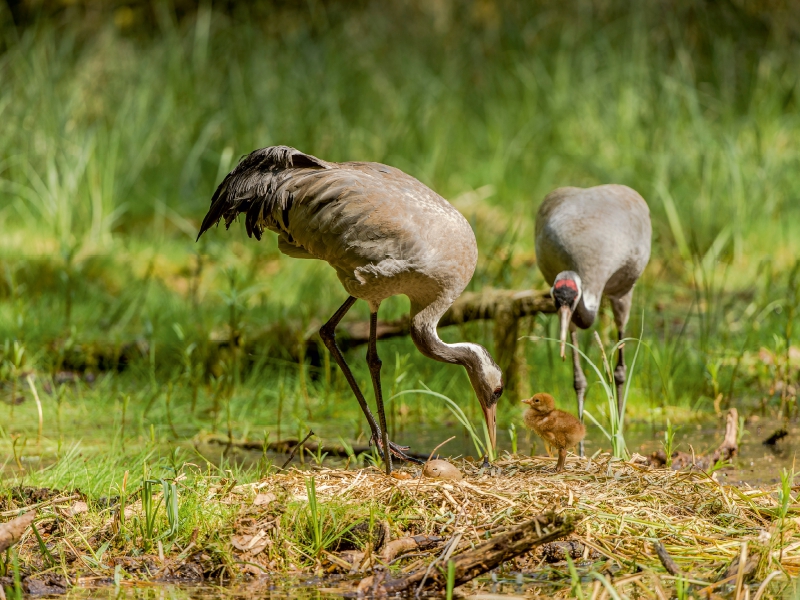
586 311
424 320
484 374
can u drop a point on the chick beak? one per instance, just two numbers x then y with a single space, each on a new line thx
565 314
490 414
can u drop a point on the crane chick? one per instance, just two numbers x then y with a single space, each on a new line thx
558 428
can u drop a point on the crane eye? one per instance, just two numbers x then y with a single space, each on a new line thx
498 390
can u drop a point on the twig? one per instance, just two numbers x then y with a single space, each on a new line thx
666 560
11 513
443 558
409 555
439 446
300 445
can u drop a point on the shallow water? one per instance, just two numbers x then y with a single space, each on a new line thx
508 586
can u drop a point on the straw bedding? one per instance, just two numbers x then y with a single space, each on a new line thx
620 508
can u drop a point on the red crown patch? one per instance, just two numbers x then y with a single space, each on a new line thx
566 283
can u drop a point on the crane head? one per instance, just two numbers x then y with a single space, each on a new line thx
566 293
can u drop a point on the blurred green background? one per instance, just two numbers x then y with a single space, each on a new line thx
118 119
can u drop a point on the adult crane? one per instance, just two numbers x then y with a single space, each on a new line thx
590 243
384 233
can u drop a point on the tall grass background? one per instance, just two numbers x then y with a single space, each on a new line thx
116 127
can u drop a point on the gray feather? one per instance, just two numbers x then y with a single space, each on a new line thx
257 186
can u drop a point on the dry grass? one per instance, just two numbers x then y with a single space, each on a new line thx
620 510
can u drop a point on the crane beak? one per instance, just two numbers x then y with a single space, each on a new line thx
565 314
490 414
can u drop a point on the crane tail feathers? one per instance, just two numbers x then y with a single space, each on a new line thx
254 187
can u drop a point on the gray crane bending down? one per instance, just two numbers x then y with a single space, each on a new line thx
590 243
384 233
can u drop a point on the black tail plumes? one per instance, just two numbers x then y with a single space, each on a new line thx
256 186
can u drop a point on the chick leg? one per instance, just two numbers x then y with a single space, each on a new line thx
562 458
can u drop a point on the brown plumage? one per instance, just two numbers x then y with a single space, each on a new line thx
558 428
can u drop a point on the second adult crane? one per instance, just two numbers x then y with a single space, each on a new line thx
592 242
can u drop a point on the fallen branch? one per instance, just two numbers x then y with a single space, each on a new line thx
729 448
58 500
287 446
11 532
407 544
470 306
296 341
482 559
776 436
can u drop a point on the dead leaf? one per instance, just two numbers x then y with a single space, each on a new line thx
264 499
78 508
12 531
254 544
240 541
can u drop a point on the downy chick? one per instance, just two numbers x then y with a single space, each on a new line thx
558 428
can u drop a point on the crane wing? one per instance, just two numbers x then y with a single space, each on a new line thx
255 187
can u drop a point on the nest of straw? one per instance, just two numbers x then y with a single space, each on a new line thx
328 521
621 509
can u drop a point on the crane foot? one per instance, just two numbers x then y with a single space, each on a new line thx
396 450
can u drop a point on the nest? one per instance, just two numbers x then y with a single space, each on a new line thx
621 510
624 524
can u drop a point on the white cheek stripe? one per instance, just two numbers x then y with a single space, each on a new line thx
487 366
591 302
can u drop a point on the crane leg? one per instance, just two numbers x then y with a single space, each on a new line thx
619 374
374 362
621 307
578 380
382 438
328 335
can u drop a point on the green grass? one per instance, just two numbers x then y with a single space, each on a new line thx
113 140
